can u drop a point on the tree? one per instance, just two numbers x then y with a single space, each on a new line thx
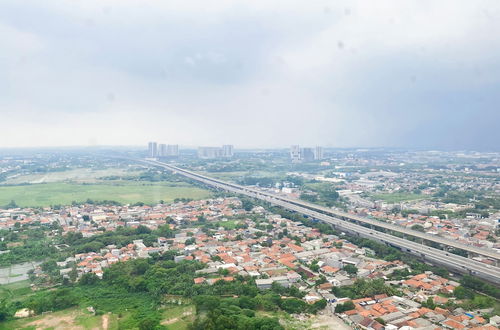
429 303
463 293
347 306
351 269
247 204
49 266
141 229
317 306
12 205
293 305
190 241
89 279
73 274
418 228
4 310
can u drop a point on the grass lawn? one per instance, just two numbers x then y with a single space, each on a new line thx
398 197
125 192
77 175
178 317
15 290
228 225
66 319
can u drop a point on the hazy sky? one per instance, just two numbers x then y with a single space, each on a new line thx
251 73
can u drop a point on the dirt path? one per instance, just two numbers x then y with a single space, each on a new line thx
105 321
56 322
167 322
175 319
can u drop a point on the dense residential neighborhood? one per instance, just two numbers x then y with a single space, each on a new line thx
231 241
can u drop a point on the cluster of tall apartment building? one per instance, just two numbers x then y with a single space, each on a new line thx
226 151
156 150
162 150
298 154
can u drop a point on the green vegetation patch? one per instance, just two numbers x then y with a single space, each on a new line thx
15 290
75 175
41 195
228 225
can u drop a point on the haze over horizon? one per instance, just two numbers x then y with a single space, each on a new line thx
418 74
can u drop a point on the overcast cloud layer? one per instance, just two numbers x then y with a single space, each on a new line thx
251 73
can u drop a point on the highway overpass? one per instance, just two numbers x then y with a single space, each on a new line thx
349 223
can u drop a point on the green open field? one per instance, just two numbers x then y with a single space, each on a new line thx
228 225
125 192
398 197
15 290
178 317
74 175
71 318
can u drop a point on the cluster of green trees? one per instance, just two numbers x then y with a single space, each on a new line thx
151 176
481 202
258 181
236 313
480 286
389 253
239 313
97 202
347 306
351 269
322 193
11 205
365 288
32 244
137 288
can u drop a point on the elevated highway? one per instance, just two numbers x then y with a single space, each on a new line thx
351 223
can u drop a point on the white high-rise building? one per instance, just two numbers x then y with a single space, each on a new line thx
307 154
318 153
227 150
295 154
152 149
209 152
172 150
162 150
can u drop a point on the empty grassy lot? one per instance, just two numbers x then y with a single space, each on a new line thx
75 175
15 290
72 318
63 193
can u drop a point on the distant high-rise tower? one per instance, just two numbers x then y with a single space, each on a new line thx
307 154
227 150
209 152
295 154
153 149
172 150
318 153
162 150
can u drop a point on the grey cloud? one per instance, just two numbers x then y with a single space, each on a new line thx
342 73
